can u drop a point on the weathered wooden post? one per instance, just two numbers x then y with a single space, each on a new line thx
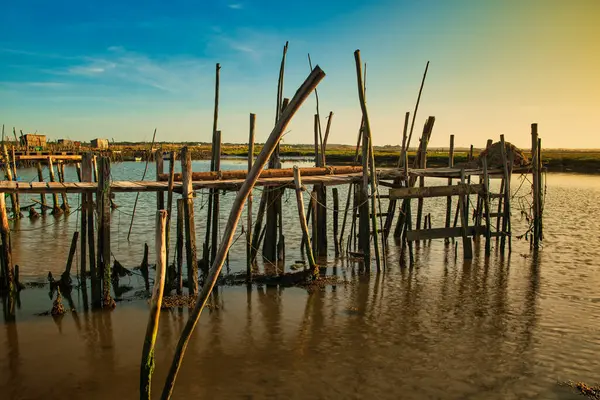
179 244
506 213
486 206
449 198
56 210
60 168
160 195
364 243
103 210
249 202
41 179
170 199
147 364
303 225
336 211
536 185
190 228
66 276
467 244
14 197
216 202
8 272
86 176
87 170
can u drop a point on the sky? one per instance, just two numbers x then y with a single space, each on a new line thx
80 70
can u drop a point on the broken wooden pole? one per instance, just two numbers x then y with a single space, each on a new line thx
236 211
249 202
336 211
103 210
66 276
160 195
147 364
179 244
303 225
190 228
56 210
41 179
8 272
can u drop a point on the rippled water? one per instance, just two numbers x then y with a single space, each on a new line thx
500 328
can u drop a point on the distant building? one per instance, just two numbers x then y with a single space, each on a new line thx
65 142
33 140
99 143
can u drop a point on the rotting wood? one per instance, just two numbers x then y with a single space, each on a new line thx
303 224
311 82
147 364
190 228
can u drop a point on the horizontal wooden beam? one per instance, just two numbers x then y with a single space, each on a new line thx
41 158
267 173
443 233
434 191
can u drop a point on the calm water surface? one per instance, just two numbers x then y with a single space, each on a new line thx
499 328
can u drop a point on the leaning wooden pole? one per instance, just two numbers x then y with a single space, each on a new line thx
147 364
303 224
236 211
369 142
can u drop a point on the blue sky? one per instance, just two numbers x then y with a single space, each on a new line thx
119 69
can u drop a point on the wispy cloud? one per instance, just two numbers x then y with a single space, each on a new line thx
235 6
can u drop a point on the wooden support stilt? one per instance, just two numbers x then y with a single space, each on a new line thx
236 211
250 199
190 228
78 169
336 210
389 219
160 196
103 207
535 185
147 364
14 197
364 244
56 210
258 225
170 200
41 179
60 167
467 244
303 225
313 213
86 176
499 212
506 213
66 276
486 206
95 164
179 244
8 273
449 198
216 202
540 192
88 167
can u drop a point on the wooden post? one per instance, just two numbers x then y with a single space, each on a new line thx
389 219
369 153
536 185
56 210
486 206
87 170
190 229
364 243
95 166
467 245
60 167
179 244
449 198
170 199
506 216
14 197
236 211
336 206
313 213
327 130
250 198
8 272
160 195
320 197
41 179
258 225
85 176
103 207
66 276
216 202
78 169
147 364
303 225
540 192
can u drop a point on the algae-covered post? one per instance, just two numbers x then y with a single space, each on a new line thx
190 228
147 364
236 212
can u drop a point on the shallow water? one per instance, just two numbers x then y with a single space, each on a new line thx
500 328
